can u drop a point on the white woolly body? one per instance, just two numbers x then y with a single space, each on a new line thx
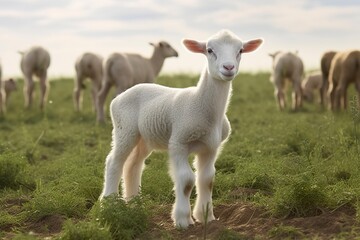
287 67
182 121
35 61
88 65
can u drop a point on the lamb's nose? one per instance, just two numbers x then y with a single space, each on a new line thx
228 67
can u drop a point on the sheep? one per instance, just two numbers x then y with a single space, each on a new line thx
345 69
2 95
151 117
325 63
125 70
287 66
35 61
9 86
311 83
88 65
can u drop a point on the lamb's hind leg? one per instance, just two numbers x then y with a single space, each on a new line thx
184 179
44 89
133 169
123 144
205 172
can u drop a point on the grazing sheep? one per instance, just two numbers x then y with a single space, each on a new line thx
9 86
35 61
313 82
88 65
345 69
125 70
2 95
325 64
287 66
182 121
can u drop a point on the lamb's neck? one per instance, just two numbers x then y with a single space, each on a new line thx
213 94
157 61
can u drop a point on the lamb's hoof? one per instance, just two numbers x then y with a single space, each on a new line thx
201 217
184 223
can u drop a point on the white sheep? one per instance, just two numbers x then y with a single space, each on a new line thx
88 65
2 95
35 61
344 70
181 121
289 67
125 70
313 82
9 87
325 64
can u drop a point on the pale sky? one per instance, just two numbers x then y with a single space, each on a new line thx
67 28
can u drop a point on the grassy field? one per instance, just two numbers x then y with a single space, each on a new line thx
281 174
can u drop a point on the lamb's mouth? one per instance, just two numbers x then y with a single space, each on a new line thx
228 75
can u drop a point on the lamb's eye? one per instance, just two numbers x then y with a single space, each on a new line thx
241 51
210 51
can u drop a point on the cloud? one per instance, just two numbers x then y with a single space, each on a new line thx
68 27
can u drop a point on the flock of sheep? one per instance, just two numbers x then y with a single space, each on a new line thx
338 70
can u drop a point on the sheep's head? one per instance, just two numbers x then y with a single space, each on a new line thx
165 49
10 85
223 52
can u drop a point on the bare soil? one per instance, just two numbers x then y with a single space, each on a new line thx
242 220
246 221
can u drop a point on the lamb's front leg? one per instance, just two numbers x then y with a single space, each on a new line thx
205 172
184 179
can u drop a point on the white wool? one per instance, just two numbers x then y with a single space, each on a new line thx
35 61
287 67
312 83
344 70
182 121
88 65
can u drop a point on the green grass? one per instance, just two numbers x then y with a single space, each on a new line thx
298 163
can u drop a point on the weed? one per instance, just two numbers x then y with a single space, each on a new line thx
285 232
84 231
302 196
228 234
125 220
10 170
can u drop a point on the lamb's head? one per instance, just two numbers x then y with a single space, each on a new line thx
165 49
223 52
10 85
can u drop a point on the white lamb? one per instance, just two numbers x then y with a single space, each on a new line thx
287 66
9 87
182 121
313 82
88 65
124 70
35 61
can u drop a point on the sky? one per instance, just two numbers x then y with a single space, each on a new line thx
68 28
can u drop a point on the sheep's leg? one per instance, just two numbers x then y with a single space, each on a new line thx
44 89
28 90
94 94
123 144
133 169
297 97
101 101
280 96
77 92
331 96
184 179
205 172
2 101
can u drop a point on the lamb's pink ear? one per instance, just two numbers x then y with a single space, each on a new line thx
195 46
252 45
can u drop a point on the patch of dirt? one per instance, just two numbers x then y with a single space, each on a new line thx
249 222
48 224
